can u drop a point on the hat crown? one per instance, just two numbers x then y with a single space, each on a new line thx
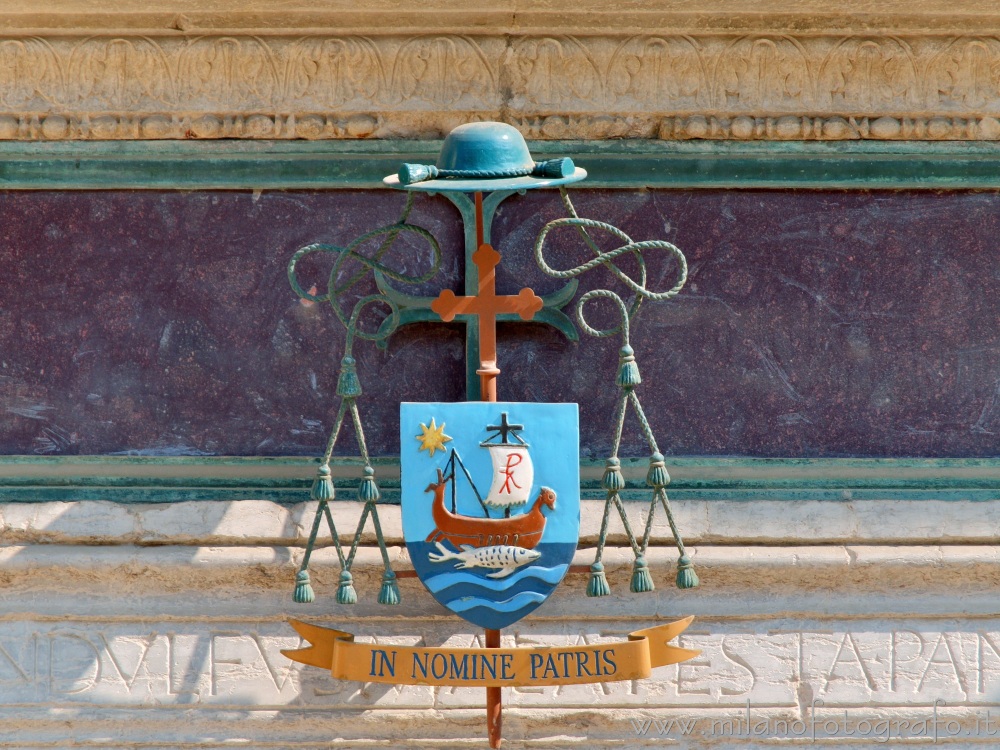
486 147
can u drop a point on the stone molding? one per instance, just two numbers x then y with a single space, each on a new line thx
616 164
838 580
496 16
153 482
704 521
177 646
783 71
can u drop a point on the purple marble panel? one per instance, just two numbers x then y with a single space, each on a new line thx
813 323
163 323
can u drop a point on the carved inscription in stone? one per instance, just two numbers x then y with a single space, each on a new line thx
852 665
132 665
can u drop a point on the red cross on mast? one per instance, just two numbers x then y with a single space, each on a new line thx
486 305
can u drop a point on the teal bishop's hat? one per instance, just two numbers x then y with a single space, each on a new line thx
482 157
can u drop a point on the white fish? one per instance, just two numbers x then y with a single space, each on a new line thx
505 557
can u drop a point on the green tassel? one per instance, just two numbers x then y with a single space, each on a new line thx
598 585
304 593
628 369
410 173
657 475
686 577
322 489
345 592
554 168
642 581
348 385
368 491
613 479
390 590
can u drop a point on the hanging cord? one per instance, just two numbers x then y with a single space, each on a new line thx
374 264
349 389
627 378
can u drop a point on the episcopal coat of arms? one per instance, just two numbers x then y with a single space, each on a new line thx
490 503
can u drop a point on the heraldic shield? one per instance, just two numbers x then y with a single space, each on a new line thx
490 503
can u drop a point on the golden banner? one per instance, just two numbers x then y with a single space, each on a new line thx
633 659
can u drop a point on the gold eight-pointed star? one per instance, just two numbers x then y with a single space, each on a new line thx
432 438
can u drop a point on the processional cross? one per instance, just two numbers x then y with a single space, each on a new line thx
486 305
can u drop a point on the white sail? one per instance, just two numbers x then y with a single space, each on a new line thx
513 474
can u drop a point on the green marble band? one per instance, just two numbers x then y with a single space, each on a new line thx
275 165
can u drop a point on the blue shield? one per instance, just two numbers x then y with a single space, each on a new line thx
491 503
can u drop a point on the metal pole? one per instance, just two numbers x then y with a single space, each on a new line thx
480 230
494 707
488 389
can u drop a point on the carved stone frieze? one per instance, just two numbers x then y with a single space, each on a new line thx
742 86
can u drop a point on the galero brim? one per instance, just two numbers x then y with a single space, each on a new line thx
457 185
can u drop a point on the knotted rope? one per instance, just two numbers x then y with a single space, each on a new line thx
349 389
627 378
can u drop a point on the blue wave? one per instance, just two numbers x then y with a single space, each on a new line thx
480 615
465 590
524 599
444 581
471 588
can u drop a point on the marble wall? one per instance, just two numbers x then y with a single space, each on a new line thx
813 323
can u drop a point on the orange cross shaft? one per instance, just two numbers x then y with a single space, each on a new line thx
486 305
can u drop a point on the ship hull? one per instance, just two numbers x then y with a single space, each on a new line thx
520 531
